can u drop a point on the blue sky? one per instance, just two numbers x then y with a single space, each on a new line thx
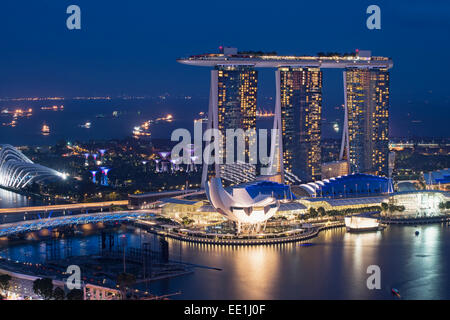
130 47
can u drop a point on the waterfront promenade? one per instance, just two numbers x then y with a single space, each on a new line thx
414 220
243 240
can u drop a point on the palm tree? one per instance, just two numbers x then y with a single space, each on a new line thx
321 211
43 288
5 282
75 294
58 294
312 212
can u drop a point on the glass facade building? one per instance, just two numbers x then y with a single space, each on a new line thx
367 106
352 185
237 90
296 146
301 112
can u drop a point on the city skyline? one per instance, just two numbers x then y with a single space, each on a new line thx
99 60
238 152
296 148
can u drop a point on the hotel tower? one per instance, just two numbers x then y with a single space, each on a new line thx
301 112
296 151
237 88
365 143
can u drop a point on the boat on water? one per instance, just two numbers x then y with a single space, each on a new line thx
86 125
45 130
362 224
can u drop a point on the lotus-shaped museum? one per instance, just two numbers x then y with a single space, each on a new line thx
239 205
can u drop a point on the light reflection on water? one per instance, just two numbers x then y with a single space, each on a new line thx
9 199
332 267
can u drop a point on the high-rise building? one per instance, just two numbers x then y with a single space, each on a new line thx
236 91
367 114
296 153
334 169
301 110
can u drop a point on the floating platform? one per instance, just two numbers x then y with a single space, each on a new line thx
362 224
240 240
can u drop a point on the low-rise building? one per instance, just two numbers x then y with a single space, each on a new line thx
438 180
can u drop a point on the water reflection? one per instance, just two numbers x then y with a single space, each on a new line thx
427 263
333 267
361 251
10 199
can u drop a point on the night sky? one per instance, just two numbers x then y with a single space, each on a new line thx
130 47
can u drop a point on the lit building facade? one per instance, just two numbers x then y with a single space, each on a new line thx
438 180
295 154
241 205
236 105
301 112
367 119
419 203
18 172
334 169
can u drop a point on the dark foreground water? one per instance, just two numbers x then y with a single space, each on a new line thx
333 266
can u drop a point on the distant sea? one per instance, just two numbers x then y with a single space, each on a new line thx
115 119
67 124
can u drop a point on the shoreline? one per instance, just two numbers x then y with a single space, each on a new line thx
415 221
311 233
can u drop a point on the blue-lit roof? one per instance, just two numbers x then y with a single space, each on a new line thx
437 177
278 190
352 185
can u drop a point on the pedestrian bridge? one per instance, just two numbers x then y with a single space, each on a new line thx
38 224
12 215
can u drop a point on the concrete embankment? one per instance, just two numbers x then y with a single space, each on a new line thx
295 236
416 221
